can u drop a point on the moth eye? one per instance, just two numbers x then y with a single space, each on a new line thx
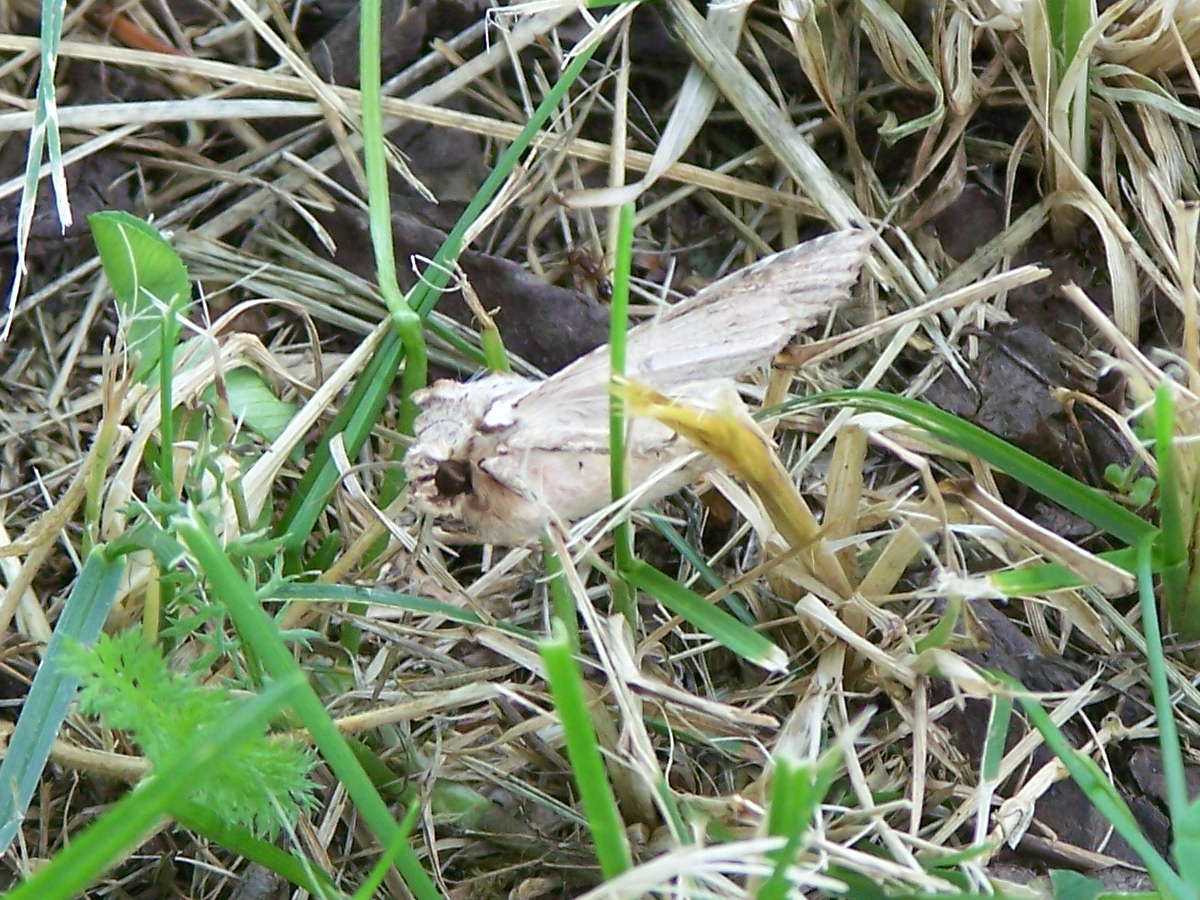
453 477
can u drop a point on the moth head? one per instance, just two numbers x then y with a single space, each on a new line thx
458 427
468 502
453 477
438 470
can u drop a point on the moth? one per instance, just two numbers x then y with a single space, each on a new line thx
494 459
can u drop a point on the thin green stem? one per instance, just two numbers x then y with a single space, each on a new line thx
407 322
562 601
424 294
373 387
1180 618
167 336
1156 665
623 557
617 331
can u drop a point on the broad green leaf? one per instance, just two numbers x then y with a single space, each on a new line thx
147 279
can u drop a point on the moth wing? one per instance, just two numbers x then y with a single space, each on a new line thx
734 324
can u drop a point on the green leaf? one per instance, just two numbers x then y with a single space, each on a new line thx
54 687
712 620
147 278
253 403
1069 885
129 820
128 684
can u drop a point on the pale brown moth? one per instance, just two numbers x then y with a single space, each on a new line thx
493 459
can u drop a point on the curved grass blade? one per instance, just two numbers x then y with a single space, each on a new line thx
1100 791
348 593
1079 498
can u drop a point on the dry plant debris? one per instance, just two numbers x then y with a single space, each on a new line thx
944 127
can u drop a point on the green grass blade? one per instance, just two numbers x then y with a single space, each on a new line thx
617 332
1069 493
1156 666
374 879
1173 543
1046 577
797 789
354 422
311 592
373 387
695 559
562 599
1186 847
259 632
53 687
587 766
1101 793
941 632
300 871
997 736
89 854
1069 22
623 598
712 620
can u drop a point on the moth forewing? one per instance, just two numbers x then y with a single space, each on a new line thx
497 456
731 326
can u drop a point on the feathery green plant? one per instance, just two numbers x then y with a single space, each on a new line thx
125 682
